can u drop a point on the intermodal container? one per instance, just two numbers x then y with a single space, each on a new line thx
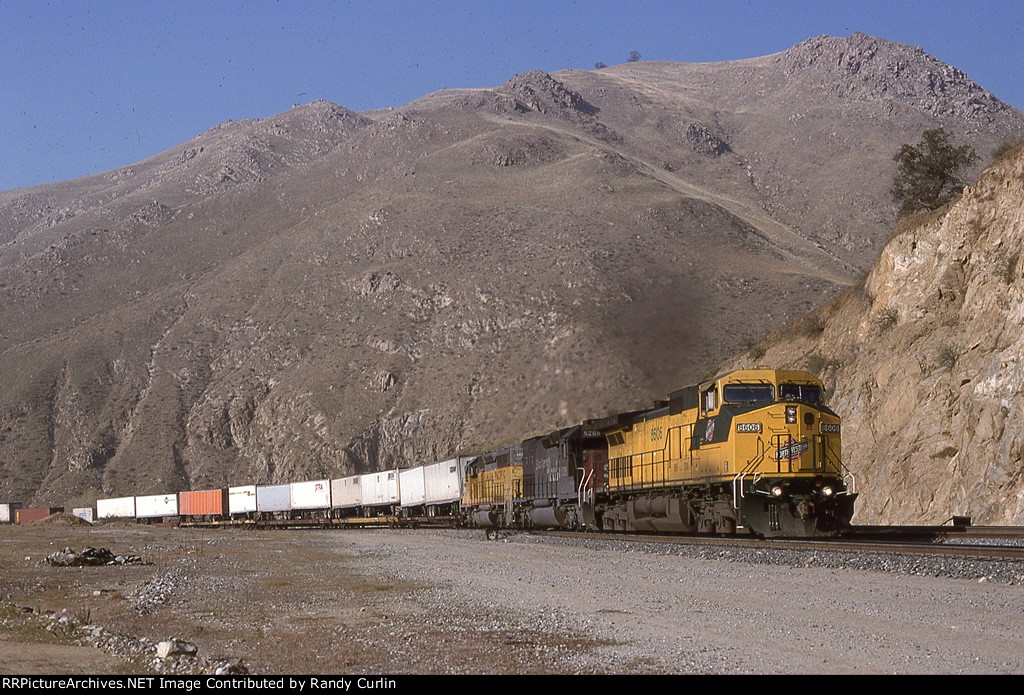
7 510
242 499
442 481
156 506
116 508
313 494
25 515
379 489
345 493
273 498
410 485
203 503
85 513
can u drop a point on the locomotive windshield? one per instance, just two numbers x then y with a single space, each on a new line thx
800 392
748 393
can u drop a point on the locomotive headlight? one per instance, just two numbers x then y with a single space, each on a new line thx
777 491
790 414
827 491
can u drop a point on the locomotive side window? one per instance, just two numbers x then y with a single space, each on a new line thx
710 399
800 392
748 393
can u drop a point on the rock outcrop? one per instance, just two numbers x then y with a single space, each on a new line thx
880 70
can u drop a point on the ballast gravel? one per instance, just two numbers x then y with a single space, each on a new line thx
652 607
388 601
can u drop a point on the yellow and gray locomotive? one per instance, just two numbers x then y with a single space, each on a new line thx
755 450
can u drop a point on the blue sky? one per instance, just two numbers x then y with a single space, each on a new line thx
90 86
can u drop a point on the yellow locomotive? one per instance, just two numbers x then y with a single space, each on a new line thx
493 482
753 449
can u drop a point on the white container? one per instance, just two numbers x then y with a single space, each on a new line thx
379 489
116 508
442 481
7 512
85 513
345 493
410 484
273 498
314 494
241 499
154 506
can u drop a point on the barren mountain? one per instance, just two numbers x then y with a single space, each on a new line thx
323 291
925 362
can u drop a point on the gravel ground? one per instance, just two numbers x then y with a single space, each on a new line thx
388 601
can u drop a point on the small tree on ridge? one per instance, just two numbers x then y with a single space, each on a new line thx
929 173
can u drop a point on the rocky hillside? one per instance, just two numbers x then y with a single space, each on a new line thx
926 362
804 136
324 292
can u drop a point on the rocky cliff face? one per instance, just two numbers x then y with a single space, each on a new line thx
926 362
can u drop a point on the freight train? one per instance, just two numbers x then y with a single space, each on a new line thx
752 451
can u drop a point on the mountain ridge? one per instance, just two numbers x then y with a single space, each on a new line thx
323 292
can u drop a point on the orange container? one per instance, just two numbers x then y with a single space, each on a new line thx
23 516
203 503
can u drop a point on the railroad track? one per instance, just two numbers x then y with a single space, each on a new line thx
888 544
912 540
937 532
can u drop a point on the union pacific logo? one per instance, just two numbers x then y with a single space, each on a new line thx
792 450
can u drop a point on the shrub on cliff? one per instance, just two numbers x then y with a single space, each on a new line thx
929 173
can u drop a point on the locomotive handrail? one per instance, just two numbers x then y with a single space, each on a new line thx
737 485
747 470
847 473
851 487
754 462
584 479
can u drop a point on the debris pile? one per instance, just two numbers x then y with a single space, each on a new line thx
90 557
154 593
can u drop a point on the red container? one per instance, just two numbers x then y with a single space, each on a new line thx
203 503
23 516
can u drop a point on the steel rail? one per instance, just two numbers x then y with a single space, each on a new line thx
989 552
